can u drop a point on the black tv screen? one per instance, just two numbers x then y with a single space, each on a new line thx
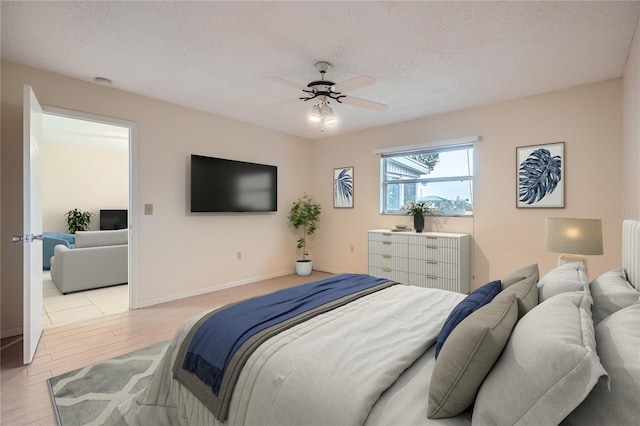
113 219
220 185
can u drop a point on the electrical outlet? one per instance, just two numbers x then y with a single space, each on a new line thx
148 209
353 248
239 255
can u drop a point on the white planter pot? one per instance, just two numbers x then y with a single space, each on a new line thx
304 268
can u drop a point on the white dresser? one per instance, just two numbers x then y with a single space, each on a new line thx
428 259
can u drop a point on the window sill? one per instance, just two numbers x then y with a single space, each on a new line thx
433 215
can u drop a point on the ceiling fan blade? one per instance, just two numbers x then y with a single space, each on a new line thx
354 83
284 102
288 82
363 103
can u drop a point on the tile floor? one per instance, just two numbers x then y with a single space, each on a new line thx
70 308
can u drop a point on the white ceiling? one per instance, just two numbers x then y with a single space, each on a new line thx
427 57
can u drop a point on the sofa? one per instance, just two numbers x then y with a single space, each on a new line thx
52 239
99 259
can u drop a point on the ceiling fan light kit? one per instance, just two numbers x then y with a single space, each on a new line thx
315 114
323 90
322 113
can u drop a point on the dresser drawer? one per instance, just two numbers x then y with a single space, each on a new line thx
389 248
437 240
433 253
436 282
387 261
434 268
390 274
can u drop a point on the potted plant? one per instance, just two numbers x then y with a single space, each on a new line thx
304 215
77 220
418 210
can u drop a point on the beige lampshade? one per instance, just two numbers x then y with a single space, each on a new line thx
574 236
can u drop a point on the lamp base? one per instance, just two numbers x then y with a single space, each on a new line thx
569 258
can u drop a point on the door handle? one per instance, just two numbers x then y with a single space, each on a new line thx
26 238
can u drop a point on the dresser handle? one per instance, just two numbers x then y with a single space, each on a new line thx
431 237
432 277
386 269
431 246
386 256
386 234
386 242
433 262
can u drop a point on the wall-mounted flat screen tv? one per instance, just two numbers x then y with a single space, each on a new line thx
113 219
221 185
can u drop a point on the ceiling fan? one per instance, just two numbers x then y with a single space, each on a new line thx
325 90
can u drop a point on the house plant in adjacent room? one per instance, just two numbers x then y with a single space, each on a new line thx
304 216
418 211
77 220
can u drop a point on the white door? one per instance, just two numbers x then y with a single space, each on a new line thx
32 232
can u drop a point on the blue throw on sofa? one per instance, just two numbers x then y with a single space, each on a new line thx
52 239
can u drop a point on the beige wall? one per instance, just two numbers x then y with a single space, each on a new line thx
177 253
587 118
630 208
83 178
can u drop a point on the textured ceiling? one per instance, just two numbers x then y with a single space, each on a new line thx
427 57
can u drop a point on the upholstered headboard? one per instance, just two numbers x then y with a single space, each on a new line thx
631 251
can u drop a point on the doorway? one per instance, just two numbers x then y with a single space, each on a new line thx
87 164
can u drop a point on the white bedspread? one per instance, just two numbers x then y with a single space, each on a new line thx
332 369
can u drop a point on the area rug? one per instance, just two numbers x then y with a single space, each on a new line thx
90 395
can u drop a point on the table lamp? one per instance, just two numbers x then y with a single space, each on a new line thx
573 238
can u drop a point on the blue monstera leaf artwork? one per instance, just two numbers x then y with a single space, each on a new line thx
538 176
344 185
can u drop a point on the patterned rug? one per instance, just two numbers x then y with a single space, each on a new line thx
89 395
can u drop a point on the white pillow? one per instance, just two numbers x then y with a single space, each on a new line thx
618 339
611 292
568 277
546 369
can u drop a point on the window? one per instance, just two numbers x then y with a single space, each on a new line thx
441 175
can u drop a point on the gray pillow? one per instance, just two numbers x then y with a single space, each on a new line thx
618 339
468 355
521 274
526 293
547 368
611 292
568 277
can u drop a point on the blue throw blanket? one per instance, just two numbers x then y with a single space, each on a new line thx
220 336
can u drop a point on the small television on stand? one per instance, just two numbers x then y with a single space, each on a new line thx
113 219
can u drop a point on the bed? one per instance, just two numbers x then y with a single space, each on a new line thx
520 350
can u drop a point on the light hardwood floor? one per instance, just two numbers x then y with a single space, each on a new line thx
24 393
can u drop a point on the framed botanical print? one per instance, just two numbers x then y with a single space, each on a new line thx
541 177
343 188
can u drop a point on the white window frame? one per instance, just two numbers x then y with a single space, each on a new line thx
429 147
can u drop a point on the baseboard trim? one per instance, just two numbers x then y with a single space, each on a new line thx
10 332
328 270
178 296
